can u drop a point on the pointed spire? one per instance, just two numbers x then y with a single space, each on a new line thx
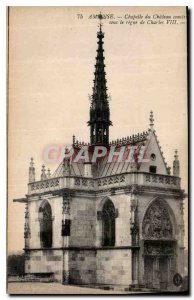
43 173
151 120
99 111
176 164
31 170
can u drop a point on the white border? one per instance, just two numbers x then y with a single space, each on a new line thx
94 3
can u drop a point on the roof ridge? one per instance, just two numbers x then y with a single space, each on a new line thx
134 138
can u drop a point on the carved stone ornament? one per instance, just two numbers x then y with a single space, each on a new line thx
134 189
157 223
27 233
66 206
157 249
26 212
134 230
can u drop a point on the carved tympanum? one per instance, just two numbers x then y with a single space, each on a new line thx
157 223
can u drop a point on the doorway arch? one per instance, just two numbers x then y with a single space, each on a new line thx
159 250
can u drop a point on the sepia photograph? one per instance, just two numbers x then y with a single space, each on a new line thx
97 150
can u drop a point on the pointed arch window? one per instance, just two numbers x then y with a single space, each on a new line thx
108 224
46 225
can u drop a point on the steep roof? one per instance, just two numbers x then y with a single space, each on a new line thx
146 142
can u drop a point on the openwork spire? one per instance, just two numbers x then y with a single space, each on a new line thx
99 111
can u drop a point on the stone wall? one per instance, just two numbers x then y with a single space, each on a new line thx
45 261
96 265
83 222
103 267
82 266
113 267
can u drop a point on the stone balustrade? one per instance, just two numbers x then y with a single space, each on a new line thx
119 180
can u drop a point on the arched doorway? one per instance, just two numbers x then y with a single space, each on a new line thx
46 226
159 246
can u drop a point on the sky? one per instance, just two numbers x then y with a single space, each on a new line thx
51 64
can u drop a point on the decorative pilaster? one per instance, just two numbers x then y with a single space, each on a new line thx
182 235
65 232
27 233
176 164
31 171
134 230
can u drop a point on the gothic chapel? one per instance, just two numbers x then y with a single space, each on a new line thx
106 223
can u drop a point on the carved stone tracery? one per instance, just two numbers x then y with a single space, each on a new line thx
152 248
157 223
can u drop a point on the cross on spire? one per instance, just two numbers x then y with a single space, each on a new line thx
100 23
151 120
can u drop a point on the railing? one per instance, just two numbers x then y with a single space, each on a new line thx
84 183
46 185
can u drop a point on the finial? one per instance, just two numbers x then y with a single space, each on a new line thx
43 173
168 170
151 120
31 162
31 170
176 164
100 18
176 154
74 139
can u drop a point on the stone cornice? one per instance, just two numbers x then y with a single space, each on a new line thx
85 248
139 190
110 182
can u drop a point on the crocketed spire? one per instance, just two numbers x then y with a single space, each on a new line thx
99 111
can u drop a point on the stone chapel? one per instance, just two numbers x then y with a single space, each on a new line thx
106 223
